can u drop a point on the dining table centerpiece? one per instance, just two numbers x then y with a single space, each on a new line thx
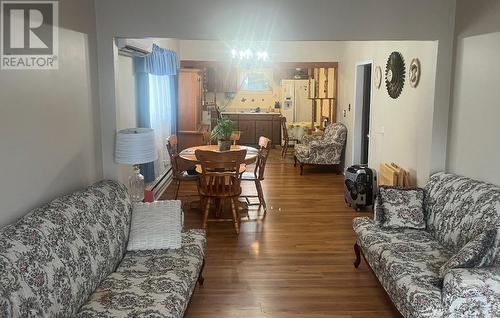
222 132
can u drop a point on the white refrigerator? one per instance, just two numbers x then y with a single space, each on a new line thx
296 106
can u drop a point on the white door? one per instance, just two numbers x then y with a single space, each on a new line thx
303 105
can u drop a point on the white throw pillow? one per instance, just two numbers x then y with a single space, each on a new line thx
156 225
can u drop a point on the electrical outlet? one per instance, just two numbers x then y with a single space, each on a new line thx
345 113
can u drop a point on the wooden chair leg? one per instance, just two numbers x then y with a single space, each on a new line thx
205 216
177 189
301 168
285 149
262 201
295 161
357 252
235 216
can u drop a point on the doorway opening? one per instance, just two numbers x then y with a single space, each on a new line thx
362 108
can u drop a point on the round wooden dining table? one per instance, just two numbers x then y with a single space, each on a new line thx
189 153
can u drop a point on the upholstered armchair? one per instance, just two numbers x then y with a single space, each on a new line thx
322 150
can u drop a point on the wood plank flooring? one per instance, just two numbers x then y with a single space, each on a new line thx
297 262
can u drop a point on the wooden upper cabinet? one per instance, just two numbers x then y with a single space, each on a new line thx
212 79
230 84
222 77
189 113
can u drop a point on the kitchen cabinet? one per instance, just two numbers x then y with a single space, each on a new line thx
221 77
247 129
189 127
264 128
252 126
276 137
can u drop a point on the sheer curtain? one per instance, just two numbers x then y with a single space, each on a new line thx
161 104
157 102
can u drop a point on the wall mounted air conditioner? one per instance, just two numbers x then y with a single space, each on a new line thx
134 47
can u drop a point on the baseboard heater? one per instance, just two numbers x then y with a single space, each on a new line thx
155 189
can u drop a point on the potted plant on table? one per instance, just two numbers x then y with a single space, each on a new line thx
222 132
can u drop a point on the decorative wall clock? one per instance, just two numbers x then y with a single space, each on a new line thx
395 74
378 76
414 72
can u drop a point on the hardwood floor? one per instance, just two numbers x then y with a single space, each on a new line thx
297 262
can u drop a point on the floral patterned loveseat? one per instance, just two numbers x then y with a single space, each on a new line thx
322 150
68 258
407 261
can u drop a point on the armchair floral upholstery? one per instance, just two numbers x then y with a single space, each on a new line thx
407 262
322 150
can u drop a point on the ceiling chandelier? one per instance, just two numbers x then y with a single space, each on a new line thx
248 54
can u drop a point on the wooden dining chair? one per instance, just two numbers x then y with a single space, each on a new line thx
286 138
220 180
179 165
258 174
235 136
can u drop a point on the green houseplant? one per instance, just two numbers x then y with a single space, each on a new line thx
222 132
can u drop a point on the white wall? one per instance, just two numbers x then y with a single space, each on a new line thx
273 20
401 129
49 120
474 148
126 103
279 51
126 93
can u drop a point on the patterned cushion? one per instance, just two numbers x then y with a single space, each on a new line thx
410 275
476 253
325 150
401 207
472 293
308 138
377 212
302 150
52 259
460 208
374 240
155 283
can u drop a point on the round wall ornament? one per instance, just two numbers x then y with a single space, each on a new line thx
378 77
395 71
414 72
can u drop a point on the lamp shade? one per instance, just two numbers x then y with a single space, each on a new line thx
135 146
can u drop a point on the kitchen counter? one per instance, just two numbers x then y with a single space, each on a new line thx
250 113
254 125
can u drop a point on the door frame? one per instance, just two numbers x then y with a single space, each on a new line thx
358 115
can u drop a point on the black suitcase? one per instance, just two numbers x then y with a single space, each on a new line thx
360 186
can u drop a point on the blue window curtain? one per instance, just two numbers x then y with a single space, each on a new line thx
157 83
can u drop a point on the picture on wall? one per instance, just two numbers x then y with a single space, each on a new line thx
395 74
414 72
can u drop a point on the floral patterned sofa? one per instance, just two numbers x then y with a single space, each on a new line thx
322 150
68 258
407 261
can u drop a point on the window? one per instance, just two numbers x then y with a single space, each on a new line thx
256 80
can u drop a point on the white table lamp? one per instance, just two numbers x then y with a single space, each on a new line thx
135 146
